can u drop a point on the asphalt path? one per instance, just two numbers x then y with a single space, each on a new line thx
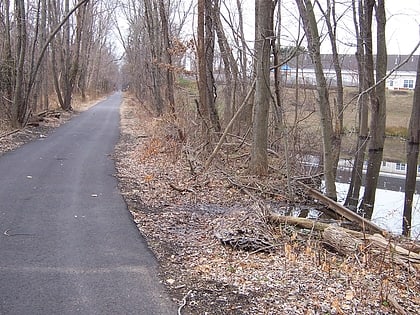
67 242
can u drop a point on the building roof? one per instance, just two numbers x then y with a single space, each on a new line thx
349 62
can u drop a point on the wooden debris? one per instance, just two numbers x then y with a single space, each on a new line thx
343 211
341 241
394 251
304 223
9 133
400 310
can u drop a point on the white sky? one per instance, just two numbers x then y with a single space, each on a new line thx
403 30
403 26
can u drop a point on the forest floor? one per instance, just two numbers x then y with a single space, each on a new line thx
180 210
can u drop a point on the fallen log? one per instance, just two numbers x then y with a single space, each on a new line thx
341 241
343 211
396 251
304 223
348 242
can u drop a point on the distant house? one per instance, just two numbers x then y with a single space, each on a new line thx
387 167
402 79
405 77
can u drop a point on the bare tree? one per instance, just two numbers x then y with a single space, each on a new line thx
331 20
168 56
6 60
19 107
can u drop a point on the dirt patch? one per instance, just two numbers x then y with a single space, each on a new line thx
180 209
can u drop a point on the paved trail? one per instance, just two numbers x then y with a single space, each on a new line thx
67 242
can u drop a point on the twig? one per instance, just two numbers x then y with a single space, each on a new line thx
180 189
9 133
184 302
358 261
400 310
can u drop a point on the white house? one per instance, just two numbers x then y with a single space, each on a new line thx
402 79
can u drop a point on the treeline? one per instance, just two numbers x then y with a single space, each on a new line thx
51 50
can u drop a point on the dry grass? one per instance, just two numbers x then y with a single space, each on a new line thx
398 114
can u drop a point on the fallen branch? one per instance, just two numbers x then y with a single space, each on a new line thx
309 224
341 241
180 189
343 211
10 133
400 310
347 241
396 251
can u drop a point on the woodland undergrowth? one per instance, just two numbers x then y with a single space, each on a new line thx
219 252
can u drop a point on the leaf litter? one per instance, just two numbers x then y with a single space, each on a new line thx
266 269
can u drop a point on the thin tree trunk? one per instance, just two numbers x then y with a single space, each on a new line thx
378 118
412 157
230 67
329 15
352 199
168 57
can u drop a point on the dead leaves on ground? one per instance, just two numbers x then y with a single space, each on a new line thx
179 212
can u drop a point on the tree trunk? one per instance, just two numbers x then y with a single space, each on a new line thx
201 55
205 54
311 30
331 22
412 157
7 80
168 57
378 117
209 57
155 46
352 199
19 108
230 67
259 161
